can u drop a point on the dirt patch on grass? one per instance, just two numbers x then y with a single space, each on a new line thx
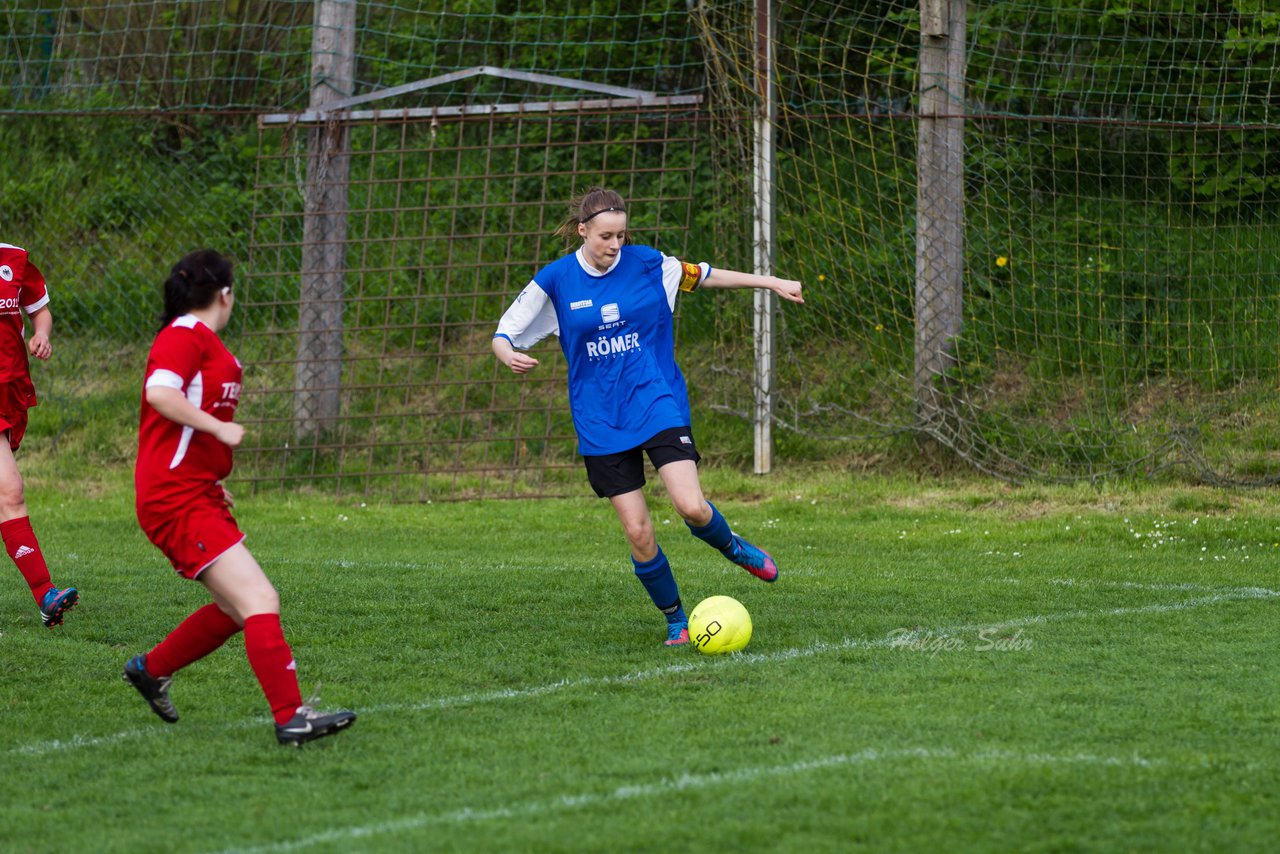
1156 396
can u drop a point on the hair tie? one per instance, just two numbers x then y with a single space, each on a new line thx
602 210
183 274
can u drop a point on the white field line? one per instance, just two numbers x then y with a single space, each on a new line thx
1132 585
894 640
691 782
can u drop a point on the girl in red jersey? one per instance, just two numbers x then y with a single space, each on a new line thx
185 442
22 289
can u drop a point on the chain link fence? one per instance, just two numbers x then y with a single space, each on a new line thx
1115 264
446 220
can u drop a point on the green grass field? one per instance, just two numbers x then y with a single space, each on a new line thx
947 666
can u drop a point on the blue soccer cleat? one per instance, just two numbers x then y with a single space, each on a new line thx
677 633
754 560
56 603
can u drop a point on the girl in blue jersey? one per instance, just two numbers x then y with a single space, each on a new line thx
611 304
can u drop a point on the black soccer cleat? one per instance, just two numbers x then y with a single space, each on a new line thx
155 690
307 725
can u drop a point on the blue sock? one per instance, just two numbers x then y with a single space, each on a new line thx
715 533
655 575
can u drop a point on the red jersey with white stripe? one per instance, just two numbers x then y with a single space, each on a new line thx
22 288
176 462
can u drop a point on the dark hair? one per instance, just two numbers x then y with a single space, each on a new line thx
595 200
194 282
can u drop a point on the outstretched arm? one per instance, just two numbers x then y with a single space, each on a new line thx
788 289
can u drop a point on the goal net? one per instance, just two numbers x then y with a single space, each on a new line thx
1121 247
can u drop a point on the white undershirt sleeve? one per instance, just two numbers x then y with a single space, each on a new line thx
673 273
163 378
37 305
530 318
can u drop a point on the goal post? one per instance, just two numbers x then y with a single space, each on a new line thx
939 249
318 370
764 236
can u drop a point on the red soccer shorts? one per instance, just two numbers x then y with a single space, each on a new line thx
194 536
15 399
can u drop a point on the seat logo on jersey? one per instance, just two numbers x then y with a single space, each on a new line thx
581 303
609 313
6 272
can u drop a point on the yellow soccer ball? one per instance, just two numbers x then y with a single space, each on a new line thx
719 624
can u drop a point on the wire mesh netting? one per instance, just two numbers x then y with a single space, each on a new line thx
1120 247
1120 242
446 222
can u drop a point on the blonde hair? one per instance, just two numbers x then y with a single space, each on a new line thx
596 200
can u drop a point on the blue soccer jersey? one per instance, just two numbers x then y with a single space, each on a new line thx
617 335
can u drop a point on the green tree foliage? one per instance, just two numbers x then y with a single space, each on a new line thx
1162 94
161 55
645 46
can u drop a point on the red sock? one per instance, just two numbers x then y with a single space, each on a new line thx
193 639
272 662
20 543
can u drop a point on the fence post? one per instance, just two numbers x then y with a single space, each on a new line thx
317 381
763 194
939 200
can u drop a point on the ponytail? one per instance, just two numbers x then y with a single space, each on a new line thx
595 200
193 283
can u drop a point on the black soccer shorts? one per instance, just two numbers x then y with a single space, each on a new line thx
616 474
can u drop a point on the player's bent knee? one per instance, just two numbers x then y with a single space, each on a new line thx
641 538
268 601
696 511
254 599
258 607
13 503
636 526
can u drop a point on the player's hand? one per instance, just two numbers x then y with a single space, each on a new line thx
39 346
522 363
788 289
229 433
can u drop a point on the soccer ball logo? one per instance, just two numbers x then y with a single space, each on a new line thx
719 624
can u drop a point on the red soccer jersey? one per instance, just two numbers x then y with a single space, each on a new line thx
177 462
21 289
